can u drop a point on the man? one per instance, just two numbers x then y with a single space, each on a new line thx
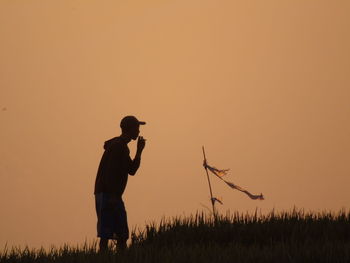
111 180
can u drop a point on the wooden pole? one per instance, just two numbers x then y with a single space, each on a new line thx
211 192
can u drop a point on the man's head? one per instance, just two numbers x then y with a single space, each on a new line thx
131 126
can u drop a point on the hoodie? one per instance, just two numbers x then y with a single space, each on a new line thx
115 166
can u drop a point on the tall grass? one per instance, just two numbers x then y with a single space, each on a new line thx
295 236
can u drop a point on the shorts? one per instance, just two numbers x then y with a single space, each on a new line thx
112 220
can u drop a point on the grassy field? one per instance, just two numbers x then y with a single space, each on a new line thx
277 237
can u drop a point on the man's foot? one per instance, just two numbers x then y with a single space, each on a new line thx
121 244
103 245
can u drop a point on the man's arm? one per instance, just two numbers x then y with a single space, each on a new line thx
135 164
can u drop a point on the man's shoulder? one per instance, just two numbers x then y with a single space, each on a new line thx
115 144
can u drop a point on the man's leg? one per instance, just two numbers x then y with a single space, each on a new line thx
121 244
122 229
103 244
100 203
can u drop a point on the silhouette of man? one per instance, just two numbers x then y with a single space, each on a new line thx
111 180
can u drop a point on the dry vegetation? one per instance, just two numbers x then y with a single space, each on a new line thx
293 236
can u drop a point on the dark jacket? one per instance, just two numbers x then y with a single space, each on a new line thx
115 166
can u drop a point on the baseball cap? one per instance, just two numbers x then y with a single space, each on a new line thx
130 121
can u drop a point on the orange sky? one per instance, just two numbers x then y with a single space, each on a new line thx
264 85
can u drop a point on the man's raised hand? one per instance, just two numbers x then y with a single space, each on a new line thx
141 142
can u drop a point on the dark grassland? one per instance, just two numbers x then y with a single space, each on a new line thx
293 236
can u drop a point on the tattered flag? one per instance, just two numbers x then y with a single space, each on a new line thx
216 171
254 197
214 199
220 173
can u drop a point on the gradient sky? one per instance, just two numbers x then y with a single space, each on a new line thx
263 85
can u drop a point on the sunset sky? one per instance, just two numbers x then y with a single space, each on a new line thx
263 85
